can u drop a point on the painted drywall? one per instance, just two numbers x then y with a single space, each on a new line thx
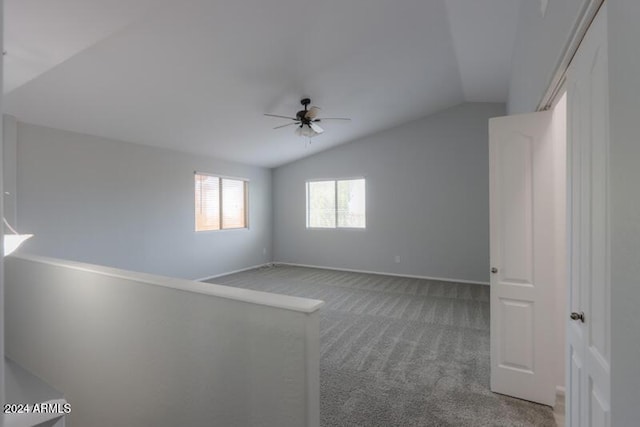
427 186
624 101
2 395
9 165
124 205
131 349
559 124
539 45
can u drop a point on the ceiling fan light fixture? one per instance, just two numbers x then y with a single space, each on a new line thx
306 120
307 131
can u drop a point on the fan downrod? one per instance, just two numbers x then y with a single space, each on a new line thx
300 115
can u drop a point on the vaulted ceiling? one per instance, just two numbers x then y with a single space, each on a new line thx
197 75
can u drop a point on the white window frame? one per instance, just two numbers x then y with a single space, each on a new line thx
335 192
220 199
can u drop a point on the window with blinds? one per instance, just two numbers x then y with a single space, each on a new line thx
220 203
336 204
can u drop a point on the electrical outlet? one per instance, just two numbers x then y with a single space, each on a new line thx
397 260
264 251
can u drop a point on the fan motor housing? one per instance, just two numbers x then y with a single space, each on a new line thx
302 113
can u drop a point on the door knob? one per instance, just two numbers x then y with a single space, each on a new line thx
494 270
577 316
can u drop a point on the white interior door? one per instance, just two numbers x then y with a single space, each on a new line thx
522 256
588 337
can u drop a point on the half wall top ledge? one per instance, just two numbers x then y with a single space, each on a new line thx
303 305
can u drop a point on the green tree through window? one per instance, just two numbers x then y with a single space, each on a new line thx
336 204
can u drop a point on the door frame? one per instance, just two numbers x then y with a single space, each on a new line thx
557 83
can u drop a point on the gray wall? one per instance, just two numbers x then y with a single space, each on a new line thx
624 90
427 199
539 45
131 349
130 206
2 395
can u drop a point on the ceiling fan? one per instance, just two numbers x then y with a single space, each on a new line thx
306 120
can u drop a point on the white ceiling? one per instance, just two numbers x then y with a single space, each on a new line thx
42 34
483 35
197 75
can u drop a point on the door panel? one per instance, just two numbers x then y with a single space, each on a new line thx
516 210
599 208
517 324
599 409
575 373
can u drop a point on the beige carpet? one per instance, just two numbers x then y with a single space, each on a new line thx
398 351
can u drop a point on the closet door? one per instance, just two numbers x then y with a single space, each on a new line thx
588 317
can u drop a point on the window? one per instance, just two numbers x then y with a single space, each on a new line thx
336 204
221 203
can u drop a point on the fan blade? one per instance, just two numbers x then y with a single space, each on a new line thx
288 124
312 113
281 117
298 131
332 118
316 128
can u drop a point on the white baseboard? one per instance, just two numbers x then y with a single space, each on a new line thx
381 273
253 267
